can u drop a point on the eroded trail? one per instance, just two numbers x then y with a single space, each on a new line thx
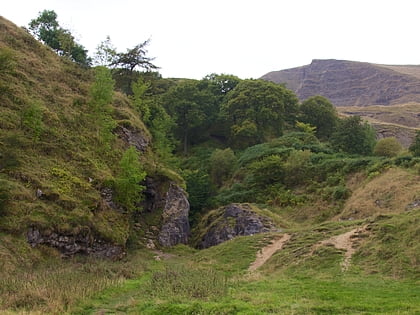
268 251
345 241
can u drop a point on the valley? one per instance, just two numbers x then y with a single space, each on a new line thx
123 192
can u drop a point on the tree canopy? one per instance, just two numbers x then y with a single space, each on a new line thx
354 136
256 110
320 113
47 29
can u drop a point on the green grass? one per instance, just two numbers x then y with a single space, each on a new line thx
276 293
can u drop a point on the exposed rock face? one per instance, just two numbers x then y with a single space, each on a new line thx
70 245
175 225
135 138
231 221
348 83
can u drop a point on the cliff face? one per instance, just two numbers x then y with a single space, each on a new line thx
348 83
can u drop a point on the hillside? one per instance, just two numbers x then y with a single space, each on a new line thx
349 83
159 196
388 96
62 149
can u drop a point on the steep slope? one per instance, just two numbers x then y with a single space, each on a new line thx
57 170
348 83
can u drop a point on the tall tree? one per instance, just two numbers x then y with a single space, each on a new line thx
135 58
354 136
105 54
47 29
320 113
255 110
184 103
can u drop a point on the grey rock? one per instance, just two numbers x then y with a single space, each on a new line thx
175 225
231 221
133 137
69 245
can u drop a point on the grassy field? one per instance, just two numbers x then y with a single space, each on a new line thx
307 289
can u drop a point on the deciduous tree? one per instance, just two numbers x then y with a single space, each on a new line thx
354 136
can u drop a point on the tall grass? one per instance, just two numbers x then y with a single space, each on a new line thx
56 287
179 281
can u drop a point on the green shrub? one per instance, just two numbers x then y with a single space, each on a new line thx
415 146
127 183
32 119
222 165
388 147
7 60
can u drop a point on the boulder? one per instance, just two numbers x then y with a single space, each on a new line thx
230 221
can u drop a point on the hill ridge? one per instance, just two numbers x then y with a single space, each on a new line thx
352 83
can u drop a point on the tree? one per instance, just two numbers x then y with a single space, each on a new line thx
128 182
47 29
140 101
415 146
101 95
184 103
105 54
135 58
389 147
320 113
255 110
353 136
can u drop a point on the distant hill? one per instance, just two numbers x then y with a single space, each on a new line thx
349 83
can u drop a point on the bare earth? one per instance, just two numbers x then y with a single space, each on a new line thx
268 251
345 241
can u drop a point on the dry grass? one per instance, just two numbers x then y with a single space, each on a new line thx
390 192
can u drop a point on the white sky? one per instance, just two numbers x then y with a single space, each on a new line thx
247 38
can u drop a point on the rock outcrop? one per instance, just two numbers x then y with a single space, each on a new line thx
133 137
230 221
70 244
175 228
349 83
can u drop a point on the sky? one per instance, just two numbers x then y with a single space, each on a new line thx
246 38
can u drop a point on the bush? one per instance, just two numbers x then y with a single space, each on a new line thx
7 60
388 147
222 165
127 184
32 119
415 146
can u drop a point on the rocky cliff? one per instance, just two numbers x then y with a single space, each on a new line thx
348 83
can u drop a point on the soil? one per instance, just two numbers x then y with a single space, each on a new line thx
346 241
268 251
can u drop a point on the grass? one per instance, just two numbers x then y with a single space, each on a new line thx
55 286
309 289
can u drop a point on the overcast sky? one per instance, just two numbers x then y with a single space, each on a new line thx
247 38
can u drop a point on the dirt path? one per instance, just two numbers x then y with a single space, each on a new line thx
268 251
345 241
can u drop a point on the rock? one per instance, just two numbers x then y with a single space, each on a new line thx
69 245
231 221
133 137
175 227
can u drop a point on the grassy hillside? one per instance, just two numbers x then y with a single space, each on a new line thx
54 162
